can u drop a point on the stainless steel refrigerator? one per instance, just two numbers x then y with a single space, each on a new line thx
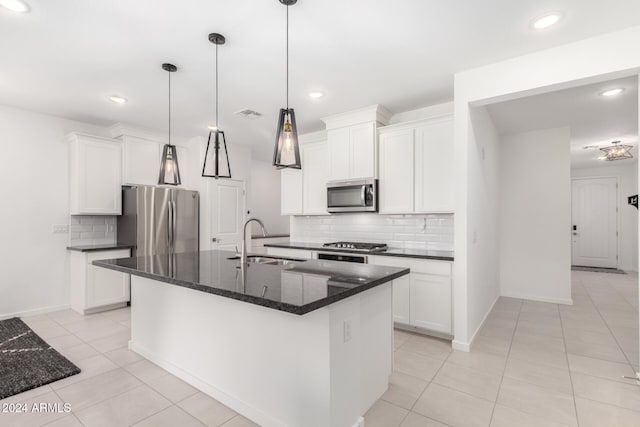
159 220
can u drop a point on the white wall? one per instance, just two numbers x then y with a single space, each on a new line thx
544 71
264 200
627 175
535 216
34 272
482 268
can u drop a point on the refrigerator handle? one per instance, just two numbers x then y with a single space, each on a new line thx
174 225
170 225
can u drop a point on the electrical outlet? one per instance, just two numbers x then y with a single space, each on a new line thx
347 330
60 229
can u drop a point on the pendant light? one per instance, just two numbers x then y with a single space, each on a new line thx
169 170
216 158
286 153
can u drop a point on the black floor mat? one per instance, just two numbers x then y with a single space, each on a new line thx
27 361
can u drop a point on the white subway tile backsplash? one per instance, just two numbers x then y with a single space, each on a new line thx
432 231
92 230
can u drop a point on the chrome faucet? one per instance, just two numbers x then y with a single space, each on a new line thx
243 257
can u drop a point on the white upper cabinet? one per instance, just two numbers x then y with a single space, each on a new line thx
352 152
95 175
314 178
304 192
434 177
142 154
416 167
396 183
291 191
339 154
141 161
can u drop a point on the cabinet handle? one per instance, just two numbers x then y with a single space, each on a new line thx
214 239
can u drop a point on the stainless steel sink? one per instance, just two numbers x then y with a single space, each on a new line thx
259 259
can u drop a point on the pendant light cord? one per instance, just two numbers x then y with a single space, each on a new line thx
169 108
287 57
217 128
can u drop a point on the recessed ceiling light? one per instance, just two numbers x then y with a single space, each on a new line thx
115 98
546 21
612 92
15 5
316 94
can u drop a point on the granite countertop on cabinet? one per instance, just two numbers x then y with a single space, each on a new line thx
219 273
96 248
399 252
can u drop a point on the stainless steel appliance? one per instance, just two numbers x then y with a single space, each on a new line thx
352 196
358 246
333 256
159 220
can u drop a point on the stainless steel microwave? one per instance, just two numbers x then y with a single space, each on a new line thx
352 196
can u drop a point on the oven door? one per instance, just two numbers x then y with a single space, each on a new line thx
352 196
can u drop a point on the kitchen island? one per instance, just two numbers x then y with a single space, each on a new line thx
308 343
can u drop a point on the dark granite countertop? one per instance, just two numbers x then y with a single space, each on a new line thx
408 253
297 288
268 236
95 248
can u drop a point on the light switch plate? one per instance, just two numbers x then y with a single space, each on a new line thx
60 229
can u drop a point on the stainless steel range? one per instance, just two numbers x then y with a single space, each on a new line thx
358 246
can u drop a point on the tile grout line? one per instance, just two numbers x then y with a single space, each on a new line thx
609 328
506 362
566 354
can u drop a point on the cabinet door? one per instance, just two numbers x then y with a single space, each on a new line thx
339 154
362 151
396 172
314 179
103 286
142 161
434 167
402 300
291 192
95 176
431 302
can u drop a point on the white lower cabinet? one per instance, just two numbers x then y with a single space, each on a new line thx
421 299
95 288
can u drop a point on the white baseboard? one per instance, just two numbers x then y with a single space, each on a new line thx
466 346
35 312
566 301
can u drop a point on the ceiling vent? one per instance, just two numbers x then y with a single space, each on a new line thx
248 113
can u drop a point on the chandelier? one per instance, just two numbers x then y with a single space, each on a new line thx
616 151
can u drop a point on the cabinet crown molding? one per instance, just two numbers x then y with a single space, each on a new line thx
74 136
373 113
122 129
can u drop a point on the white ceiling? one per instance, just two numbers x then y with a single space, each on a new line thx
65 57
594 120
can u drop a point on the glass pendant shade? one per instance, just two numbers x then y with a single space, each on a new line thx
286 153
216 158
617 151
169 169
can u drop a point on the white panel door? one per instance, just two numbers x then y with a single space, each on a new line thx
434 167
314 178
431 302
227 214
396 172
594 219
339 154
291 192
363 153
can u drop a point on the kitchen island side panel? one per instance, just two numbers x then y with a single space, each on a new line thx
273 367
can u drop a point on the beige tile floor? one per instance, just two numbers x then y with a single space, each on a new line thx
533 364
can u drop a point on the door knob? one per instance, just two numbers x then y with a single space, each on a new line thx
214 239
